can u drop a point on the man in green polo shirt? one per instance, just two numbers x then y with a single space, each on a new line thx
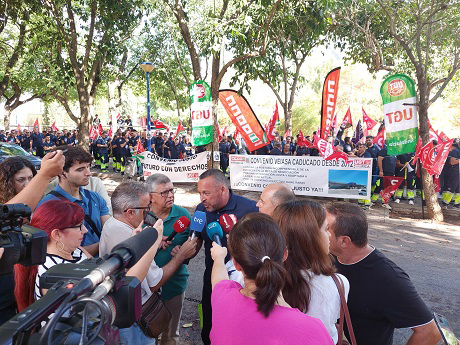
162 197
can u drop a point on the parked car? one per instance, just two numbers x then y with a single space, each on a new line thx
11 150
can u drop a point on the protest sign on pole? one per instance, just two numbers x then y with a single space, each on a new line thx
330 91
306 175
400 113
178 170
201 110
244 119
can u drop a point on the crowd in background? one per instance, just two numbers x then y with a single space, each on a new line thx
118 149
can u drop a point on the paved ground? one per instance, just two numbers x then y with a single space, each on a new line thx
428 252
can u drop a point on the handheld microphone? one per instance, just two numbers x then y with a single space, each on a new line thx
227 222
214 231
198 223
179 227
124 255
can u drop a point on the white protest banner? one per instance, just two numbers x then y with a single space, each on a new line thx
306 175
178 170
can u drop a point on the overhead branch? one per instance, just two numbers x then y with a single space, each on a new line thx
89 40
64 102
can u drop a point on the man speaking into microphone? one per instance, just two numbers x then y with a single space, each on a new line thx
175 219
216 199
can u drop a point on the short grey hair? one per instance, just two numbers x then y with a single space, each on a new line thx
218 176
283 194
153 181
127 195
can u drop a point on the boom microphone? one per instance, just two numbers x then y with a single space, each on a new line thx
198 223
214 231
227 222
124 255
179 227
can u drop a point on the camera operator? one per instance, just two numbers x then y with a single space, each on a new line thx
18 186
63 222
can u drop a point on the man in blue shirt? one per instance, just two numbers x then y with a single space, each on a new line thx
175 149
37 142
216 199
75 175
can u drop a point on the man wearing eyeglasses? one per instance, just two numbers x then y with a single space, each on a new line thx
173 291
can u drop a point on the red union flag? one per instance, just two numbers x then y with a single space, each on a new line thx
426 154
330 91
244 119
160 124
368 121
53 127
390 184
347 120
379 139
93 133
325 148
438 161
180 128
338 155
271 128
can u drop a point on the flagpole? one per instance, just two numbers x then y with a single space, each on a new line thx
148 67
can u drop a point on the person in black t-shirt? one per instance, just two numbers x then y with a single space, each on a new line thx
382 296
264 150
224 150
451 188
405 167
37 142
387 166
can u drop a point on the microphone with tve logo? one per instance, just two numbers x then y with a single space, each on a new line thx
214 231
179 227
227 222
198 223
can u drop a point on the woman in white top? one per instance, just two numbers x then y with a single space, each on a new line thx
63 222
309 286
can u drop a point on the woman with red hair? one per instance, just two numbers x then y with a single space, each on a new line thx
63 222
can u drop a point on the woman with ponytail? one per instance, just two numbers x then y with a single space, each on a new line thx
309 284
257 313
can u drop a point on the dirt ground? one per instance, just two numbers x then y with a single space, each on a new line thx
428 252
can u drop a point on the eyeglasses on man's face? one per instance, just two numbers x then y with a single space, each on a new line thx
144 208
165 193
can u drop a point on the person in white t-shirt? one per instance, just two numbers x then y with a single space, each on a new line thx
310 286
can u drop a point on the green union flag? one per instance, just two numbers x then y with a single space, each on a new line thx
201 109
401 121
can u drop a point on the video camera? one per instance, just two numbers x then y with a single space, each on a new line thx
25 245
86 299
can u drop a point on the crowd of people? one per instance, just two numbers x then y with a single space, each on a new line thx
119 148
383 164
273 285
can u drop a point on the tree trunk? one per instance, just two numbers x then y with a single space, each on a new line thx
432 204
7 118
83 126
288 119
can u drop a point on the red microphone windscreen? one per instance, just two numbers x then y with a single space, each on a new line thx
181 224
227 222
